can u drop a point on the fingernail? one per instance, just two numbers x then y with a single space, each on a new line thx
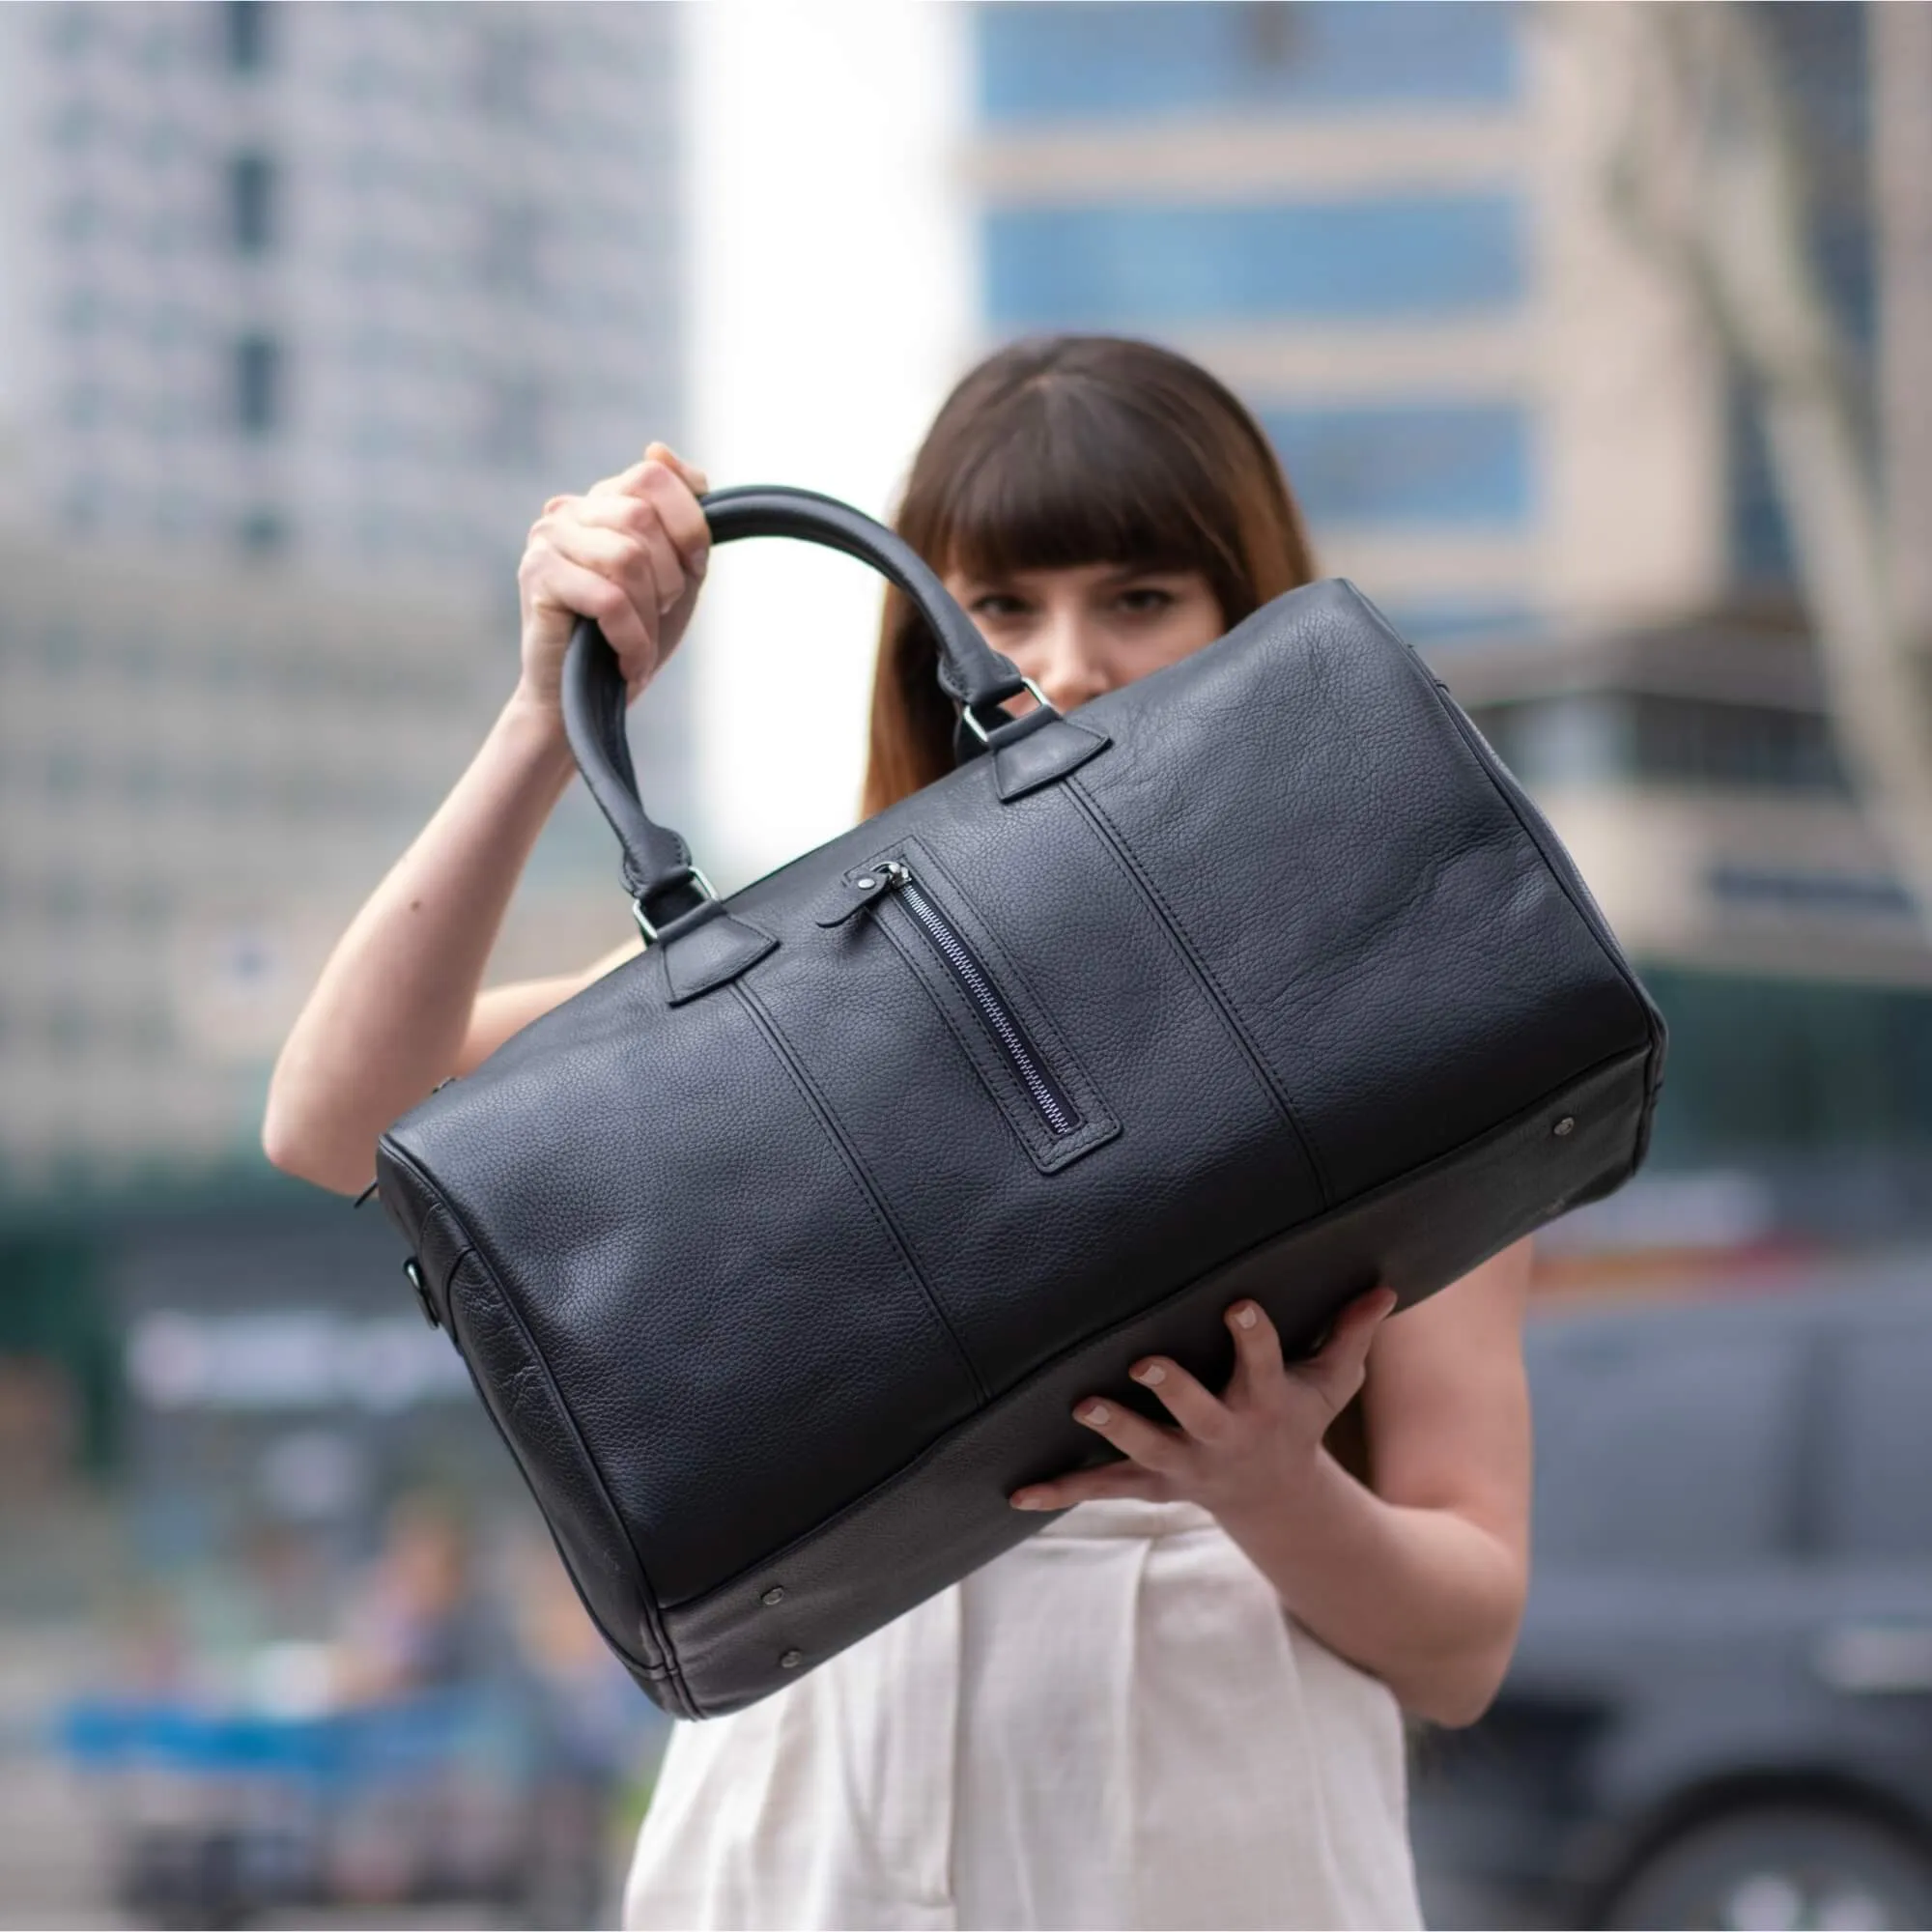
1093 1412
1151 1373
1247 1317
1026 1499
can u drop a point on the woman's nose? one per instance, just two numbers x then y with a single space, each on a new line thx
1072 670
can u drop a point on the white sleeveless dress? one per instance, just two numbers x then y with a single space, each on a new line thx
1113 1725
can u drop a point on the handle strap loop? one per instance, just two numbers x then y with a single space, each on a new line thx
659 874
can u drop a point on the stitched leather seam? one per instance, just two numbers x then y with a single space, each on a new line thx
1592 917
1112 836
658 1673
908 1470
646 1596
835 1133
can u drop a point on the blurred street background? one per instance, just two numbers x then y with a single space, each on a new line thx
1596 341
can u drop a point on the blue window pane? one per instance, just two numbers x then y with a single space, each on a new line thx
1152 265
251 203
1043 61
1761 552
258 384
1824 58
245 31
1436 463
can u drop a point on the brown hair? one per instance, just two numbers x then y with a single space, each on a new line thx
1075 449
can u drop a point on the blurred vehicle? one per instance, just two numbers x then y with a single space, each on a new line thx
1720 1710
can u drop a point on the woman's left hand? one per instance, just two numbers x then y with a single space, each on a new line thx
1241 1454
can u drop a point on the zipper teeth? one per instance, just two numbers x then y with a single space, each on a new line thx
1053 1109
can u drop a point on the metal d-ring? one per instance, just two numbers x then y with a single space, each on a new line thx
645 926
978 730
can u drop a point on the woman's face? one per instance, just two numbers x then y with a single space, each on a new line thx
1081 631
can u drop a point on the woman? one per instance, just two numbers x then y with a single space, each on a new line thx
1181 1702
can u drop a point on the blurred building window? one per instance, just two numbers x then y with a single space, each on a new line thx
262 532
81 311
1590 737
67 1026
513 419
142 779
1151 265
1761 552
251 203
76 124
1666 1453
507 67
1847 894
1825 59
1760 1066
1747 745
1881 1509
1040 60
60 649
77 218
70 30
258 384
140 661
163 142
245 28
66 773
507 259
1576 738
1447 463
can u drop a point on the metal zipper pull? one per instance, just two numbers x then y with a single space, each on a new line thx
855 893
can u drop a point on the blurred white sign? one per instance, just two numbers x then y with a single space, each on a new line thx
291 1359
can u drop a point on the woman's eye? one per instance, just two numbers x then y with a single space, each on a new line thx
996 604
1147 599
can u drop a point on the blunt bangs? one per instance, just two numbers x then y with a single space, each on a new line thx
1066 472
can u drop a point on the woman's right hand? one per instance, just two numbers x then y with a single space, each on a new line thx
629 552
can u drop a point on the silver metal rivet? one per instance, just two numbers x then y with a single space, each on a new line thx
864 884
792 1659
1566 1125
775 1595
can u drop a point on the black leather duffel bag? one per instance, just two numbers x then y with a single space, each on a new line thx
781 1254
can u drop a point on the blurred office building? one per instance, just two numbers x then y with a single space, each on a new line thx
303 313
1396 231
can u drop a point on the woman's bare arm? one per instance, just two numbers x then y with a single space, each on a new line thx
502 1011
393 1010
397 1006
1422 1579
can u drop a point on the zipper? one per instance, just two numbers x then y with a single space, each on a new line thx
1001 1024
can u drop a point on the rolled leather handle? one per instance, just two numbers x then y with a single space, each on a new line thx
657 870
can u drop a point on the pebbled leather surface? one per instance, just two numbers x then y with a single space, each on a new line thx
1412 1236
562 1471
784 1245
